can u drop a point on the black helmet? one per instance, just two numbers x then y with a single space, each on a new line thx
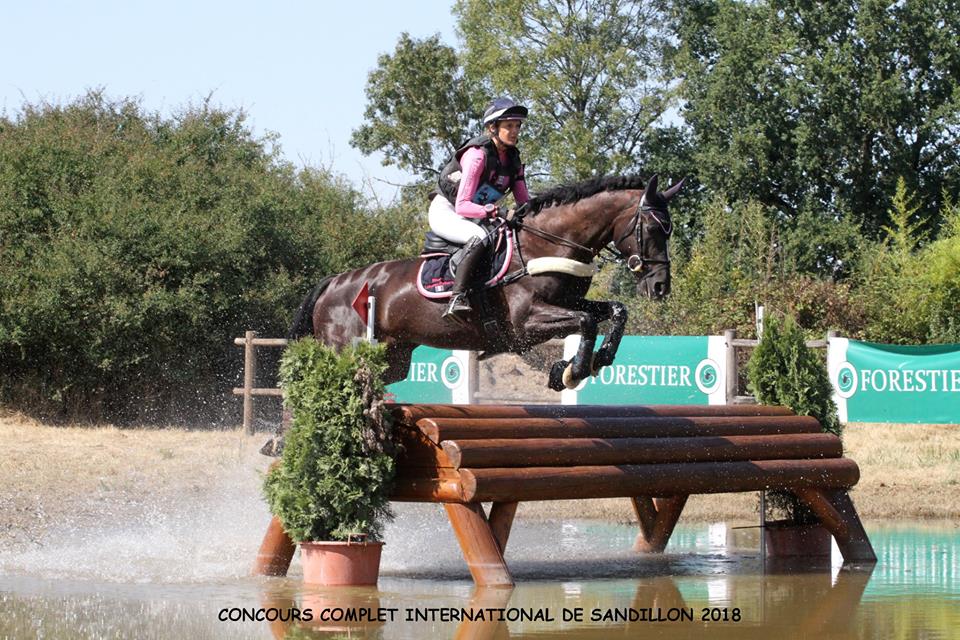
503 109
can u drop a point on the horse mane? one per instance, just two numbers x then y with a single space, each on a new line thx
570 193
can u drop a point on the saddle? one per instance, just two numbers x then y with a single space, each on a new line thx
441 257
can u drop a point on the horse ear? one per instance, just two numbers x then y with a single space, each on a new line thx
651 189
672 191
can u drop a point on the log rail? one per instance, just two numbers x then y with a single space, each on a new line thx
657 456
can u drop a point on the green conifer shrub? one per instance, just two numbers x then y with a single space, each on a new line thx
783 370
337 467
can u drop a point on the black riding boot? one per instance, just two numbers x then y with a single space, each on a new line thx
460 303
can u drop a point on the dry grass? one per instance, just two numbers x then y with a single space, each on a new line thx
76 476
79 475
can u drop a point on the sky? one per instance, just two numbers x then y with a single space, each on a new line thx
296 67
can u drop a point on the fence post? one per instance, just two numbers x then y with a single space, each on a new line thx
249 372
732 376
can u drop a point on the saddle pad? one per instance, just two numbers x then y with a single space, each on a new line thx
435 281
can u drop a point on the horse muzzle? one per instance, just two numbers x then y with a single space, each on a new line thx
653 280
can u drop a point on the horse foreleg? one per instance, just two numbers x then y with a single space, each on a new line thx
551 322
617 313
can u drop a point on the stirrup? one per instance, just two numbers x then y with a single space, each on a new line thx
459 304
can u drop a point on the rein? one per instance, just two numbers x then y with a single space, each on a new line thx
635 262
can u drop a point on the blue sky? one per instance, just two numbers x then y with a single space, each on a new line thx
297 68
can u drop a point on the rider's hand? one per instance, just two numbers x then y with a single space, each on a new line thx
503 211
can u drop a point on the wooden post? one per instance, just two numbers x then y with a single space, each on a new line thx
249 373
276 551
654 535
480 547
732 376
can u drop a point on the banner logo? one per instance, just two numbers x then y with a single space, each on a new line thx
846 381
707 376
451 372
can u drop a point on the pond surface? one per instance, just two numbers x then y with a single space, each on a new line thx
576 579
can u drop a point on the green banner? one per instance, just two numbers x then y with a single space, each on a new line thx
656 370
435 376
894 383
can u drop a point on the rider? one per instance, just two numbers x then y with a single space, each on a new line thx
478 176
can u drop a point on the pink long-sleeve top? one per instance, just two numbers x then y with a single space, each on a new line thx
472 165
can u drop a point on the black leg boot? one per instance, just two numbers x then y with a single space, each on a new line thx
460 303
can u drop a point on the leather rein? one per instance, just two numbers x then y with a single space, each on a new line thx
635 262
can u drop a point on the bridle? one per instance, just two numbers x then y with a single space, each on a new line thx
638 262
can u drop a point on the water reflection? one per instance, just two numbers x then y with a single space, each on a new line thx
814 604
704 586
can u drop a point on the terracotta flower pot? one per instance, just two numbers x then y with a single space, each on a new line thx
351 563
785 539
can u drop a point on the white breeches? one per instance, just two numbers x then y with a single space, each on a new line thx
445 222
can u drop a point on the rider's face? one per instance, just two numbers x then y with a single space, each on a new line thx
509 131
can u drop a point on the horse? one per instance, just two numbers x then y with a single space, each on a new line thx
569 224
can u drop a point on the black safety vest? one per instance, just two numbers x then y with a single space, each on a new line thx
498 176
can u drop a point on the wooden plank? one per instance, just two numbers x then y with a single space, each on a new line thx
563 483
557 452
410 413
259 391
479 546
441 429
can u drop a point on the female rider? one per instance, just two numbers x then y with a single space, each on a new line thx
480 174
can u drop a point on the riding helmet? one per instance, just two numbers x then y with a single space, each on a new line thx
503 109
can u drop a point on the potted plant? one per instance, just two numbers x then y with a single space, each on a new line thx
783 370
331 487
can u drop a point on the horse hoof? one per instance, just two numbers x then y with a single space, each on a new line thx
556 376
568 380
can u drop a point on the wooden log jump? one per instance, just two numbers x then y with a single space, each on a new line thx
657 456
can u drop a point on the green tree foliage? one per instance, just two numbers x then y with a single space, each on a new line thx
910 285
337 466
590 72
815 109
784 371
418 106
740 261
134 248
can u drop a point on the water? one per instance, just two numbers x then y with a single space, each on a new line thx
576 579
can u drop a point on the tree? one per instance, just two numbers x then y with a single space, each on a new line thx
815 109
588 70
418 107
134 248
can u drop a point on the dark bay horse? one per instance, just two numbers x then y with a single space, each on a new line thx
572 223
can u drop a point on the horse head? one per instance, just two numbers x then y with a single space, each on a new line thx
644 244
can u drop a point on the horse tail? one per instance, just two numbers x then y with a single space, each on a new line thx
303 320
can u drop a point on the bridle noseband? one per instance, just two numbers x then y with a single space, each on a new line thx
638 262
